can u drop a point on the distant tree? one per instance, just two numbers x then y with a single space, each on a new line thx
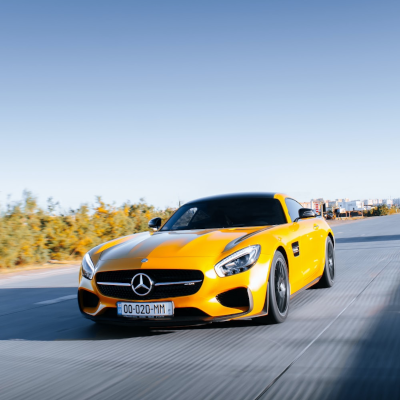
382 209
29 234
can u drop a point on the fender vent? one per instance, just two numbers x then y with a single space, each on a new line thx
296 249
234 298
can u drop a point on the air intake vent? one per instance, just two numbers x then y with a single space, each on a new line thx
88 299
234 298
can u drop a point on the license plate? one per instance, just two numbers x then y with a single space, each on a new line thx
143 310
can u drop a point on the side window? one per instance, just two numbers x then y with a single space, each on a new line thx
185 219
293 208
200 216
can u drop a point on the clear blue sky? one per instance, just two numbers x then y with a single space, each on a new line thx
174 100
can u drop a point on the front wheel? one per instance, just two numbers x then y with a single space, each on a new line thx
279 290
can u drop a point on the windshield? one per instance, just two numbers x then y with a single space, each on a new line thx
227 213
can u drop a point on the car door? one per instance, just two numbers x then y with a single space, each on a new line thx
312 247
311 237
301 245
316 236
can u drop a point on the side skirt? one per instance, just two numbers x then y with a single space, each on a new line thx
306 287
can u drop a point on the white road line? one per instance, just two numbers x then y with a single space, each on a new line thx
58 300
31 275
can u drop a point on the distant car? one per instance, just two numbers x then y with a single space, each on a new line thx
216 259
329 215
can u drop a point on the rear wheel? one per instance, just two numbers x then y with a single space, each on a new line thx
279 292
328 278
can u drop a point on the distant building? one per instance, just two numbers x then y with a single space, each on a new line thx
314 204
318 205
309 204
388 202
353 205
346 204
332 205
341 204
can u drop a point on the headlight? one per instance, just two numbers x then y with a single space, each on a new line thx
87 267
239 261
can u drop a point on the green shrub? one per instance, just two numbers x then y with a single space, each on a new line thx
380 210
29 234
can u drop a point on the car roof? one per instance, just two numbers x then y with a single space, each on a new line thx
231 196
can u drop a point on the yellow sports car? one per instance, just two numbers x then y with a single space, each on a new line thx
216 259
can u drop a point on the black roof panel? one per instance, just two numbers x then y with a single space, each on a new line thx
245 195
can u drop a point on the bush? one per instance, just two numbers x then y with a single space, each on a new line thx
380 210
29 234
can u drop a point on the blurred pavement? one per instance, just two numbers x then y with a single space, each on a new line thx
338 343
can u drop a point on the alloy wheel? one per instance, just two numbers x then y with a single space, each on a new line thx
331 261
281 287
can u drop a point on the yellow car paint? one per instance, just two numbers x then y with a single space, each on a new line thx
203 249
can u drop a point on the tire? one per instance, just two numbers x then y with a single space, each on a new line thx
328 277
279 290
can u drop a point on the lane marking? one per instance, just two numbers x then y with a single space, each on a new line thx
319 335
42 303
29 276
58 300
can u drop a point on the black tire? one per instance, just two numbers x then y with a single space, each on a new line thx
328 277
279 290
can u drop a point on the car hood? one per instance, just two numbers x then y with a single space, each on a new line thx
198 243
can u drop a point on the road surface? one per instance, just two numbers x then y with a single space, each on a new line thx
338 343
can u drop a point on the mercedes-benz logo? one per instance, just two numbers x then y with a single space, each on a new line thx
141 284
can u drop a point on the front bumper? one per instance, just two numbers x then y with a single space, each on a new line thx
109 316
200 308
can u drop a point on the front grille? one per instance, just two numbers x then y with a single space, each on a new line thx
158 276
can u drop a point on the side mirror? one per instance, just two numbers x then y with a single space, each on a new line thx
306 213
155 223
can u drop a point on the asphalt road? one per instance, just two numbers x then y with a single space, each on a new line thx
338 343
